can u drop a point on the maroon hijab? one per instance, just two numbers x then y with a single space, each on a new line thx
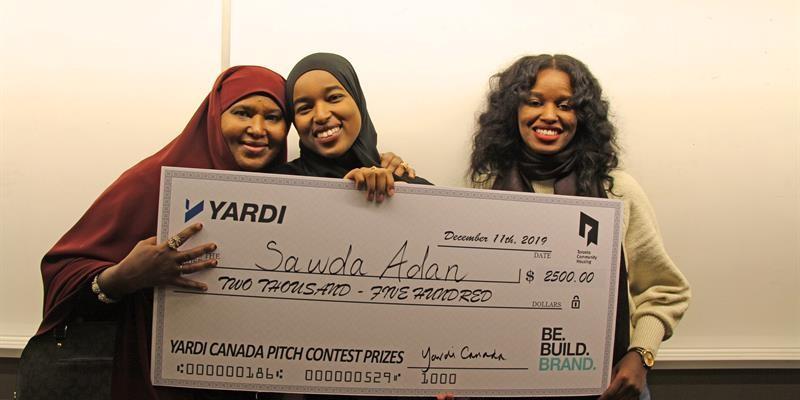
126 212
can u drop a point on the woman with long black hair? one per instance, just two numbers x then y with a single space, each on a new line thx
546 130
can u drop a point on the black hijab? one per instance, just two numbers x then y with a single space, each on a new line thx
364 152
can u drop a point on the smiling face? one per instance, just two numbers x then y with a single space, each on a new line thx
547 120
255 131
325 114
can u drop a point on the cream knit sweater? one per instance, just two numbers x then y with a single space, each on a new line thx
658 293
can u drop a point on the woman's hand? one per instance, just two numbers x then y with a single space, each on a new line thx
152 264
378 182
628 379
396 165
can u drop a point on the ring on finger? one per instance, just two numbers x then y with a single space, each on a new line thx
174 242
374 168
180 269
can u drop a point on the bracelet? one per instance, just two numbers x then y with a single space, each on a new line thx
99 292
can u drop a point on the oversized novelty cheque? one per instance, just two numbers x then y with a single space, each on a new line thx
475 292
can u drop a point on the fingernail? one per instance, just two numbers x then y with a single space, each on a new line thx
214 263
213 247
205 288
199 226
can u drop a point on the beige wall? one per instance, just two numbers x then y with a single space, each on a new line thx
88 89
705 95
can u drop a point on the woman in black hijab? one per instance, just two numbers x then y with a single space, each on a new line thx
337 137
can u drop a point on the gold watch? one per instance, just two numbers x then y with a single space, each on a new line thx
648 359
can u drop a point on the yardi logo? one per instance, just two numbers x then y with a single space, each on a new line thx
239 212
591 233
192 211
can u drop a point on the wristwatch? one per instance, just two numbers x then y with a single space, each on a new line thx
648 359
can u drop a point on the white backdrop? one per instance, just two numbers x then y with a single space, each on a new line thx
87 89
705 96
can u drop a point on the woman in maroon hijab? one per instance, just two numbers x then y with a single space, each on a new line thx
113 250
106 266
